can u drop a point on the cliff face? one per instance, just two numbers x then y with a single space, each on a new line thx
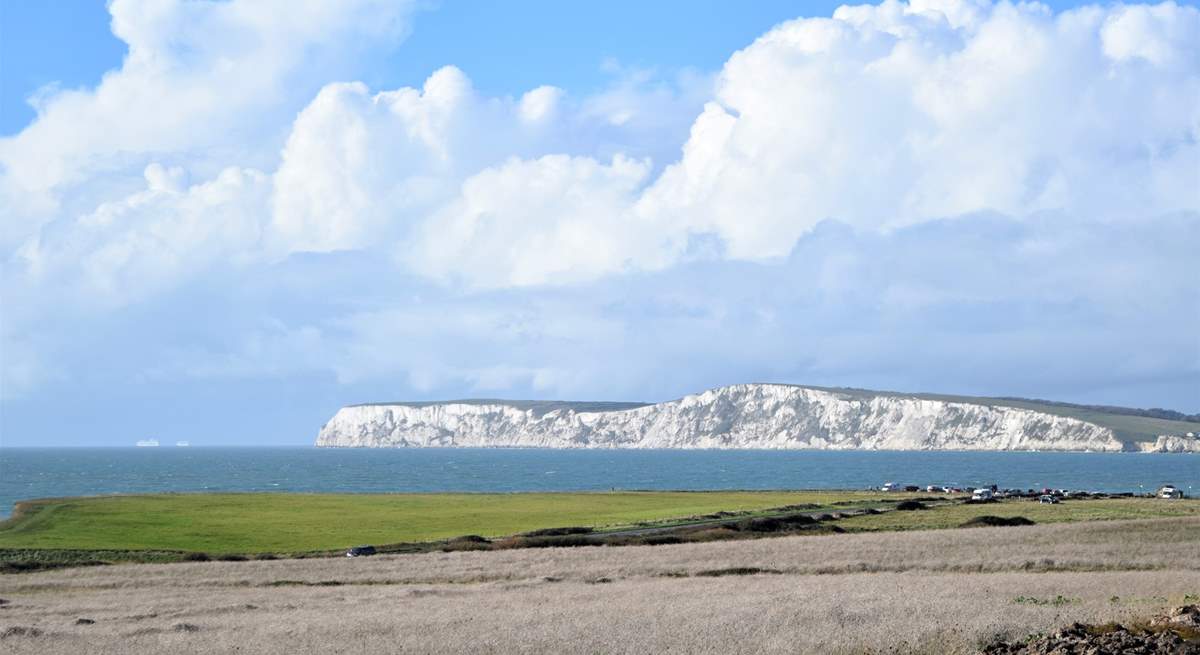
1168 443
740 416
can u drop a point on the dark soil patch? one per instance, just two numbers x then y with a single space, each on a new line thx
304 583
185 627
85 622
911 506
20 631
737 570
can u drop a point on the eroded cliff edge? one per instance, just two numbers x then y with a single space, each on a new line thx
739 416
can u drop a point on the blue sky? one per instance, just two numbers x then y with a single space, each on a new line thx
219 226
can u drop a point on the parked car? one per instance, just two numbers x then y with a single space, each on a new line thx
1047 499
891 486
360 551
1169 492
981 494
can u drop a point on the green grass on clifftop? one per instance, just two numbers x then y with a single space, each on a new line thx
256 522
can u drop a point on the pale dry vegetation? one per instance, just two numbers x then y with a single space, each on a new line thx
932 591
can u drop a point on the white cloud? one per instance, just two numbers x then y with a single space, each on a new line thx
540 104
897 114
881 116
358 167
969 305
149 240
226 142
206 83
555 220
361 170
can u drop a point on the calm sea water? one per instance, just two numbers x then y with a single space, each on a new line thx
42 472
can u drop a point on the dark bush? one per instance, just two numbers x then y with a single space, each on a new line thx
466 543
266 556
556 532
230 557
987 520
911 505
196 557
771 523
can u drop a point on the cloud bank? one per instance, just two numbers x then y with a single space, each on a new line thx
920 194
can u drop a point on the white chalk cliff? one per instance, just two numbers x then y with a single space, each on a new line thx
739 416
1171 443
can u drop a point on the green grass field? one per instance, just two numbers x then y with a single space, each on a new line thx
296 523
253 523
952 516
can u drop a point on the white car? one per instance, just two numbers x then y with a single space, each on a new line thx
981 494
1047 499
892 486
1169 492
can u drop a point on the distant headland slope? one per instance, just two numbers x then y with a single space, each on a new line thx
766 416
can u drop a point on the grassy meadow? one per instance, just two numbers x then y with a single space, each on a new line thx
254 523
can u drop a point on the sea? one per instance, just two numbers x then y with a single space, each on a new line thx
27 473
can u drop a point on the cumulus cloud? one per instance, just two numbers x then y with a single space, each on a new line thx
208 83
880 116
360 169
899 113
129 247
556 219
954 182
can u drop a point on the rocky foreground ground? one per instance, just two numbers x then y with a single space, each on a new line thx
1176 632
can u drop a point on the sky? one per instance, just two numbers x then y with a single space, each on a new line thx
221 221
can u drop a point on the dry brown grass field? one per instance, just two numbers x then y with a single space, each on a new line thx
935 591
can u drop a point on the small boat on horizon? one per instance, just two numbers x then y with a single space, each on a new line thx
148 443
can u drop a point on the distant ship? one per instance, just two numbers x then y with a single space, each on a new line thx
182 444
148 443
